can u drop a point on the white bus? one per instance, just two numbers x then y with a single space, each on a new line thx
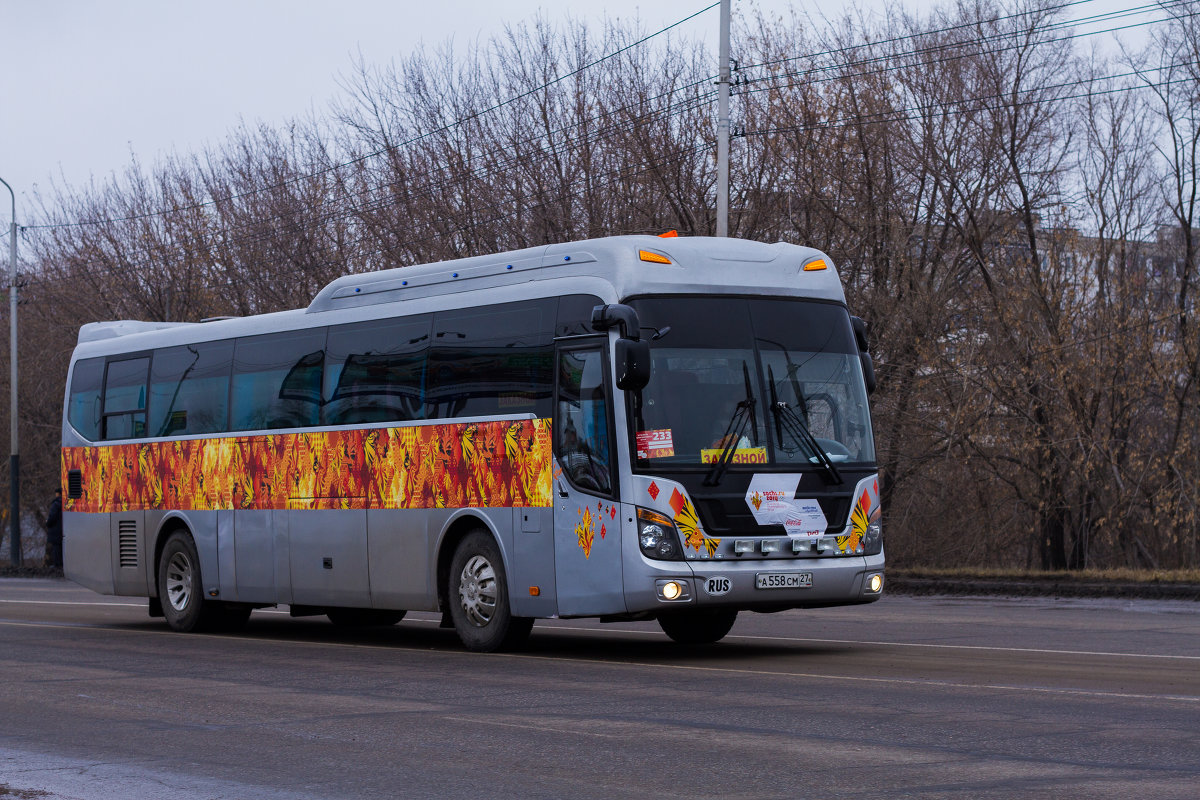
626 428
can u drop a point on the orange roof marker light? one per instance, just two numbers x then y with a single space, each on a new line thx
812 266
669 235
654 258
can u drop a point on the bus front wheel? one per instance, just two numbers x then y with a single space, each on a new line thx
697 627
478 597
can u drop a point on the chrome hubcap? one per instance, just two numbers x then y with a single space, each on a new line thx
179 581
477 591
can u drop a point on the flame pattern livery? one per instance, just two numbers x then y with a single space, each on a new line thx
586 531
688 522
862 516
457 465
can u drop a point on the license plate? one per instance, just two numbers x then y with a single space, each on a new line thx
783 580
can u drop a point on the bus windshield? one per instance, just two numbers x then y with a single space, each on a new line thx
768 379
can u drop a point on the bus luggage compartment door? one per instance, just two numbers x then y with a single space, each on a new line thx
328 554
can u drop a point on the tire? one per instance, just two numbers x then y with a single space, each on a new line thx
363 617
478 597
181 591
697 627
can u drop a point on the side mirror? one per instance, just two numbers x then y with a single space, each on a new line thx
860 333
633 363
868 368
864 355
624 317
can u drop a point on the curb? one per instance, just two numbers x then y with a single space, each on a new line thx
900 584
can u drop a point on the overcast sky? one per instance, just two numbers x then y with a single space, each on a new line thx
84 83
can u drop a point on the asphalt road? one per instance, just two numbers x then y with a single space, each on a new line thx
910 697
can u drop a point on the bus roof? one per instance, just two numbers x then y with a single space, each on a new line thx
694 265
632 265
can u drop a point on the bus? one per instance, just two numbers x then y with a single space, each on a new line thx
627 428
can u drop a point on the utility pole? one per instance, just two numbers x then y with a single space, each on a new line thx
723 126
14 464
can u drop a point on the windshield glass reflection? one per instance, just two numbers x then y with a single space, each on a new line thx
799 362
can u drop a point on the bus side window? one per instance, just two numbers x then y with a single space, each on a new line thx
84 410
375 371
575 314
581 422
277 380
492 360
124 415
189 389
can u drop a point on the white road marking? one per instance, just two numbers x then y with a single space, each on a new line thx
808 676
748 637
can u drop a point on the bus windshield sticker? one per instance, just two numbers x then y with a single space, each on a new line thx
655 444
772 501
742 455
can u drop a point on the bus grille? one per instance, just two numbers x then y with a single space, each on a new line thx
127 542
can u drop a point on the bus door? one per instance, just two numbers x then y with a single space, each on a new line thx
587 515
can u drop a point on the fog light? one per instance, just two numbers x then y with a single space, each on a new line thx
770 546
743 546
875 583
672 590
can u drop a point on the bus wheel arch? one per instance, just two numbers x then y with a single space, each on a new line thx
473 589
179 586
459 527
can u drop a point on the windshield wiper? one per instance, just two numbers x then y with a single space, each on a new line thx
786 419
743 413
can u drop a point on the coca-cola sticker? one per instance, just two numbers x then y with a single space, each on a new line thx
655 444
772 500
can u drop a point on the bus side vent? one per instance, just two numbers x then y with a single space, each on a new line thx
127 542
75 484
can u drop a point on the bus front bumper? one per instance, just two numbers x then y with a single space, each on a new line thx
761 584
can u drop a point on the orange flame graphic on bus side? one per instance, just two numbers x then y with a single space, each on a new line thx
455 465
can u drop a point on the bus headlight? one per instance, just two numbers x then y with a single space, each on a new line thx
872 540
657 536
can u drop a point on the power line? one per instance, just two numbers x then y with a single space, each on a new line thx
363 236
916 35
373 205
412 140
476 115
860 119
895 67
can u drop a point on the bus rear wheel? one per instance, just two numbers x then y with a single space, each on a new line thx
697 627
478 597
181 591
